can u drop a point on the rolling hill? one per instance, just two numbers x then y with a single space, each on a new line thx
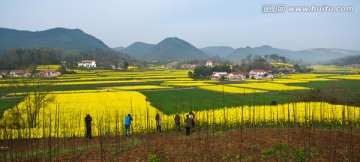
310 55
221 51
174 49
347 60
138 49
66 39
168 49
119 49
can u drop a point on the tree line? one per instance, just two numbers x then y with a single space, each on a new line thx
30 58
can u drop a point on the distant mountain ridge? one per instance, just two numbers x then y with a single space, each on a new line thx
174 49
119 49
168 49
347 60
66 39
221 51
310 55
138 49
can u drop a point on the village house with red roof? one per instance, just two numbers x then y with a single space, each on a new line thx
233 76
236 76
20 73
260 74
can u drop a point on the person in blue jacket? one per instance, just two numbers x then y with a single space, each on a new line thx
128 120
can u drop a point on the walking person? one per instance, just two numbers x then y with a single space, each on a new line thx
88 120
177 122
128 120
188 123
158 123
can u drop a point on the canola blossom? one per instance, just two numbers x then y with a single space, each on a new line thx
335 69
108 112
185 83
99 82
284 81
349 77
306 76
269 86
302 113
229 89
318 79
140 87
64 117
47 67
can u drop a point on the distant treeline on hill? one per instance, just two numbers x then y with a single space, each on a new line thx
23 58
348 60
66 39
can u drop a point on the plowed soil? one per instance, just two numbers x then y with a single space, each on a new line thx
253 144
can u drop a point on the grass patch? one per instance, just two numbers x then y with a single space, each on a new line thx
184 100
337 92
329 84
8 103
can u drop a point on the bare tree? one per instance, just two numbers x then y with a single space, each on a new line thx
37 95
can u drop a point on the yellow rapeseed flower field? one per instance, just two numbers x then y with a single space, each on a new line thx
301 112
284 81
65 116
349 77
140 87
306 76
229 89
108 110
47 67
178 83
269 86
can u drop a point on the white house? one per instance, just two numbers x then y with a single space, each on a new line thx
236 76
218 75
51 73
20 73
87 63
209 63
4 73
270 76
257 74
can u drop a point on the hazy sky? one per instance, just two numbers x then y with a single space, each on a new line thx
202 23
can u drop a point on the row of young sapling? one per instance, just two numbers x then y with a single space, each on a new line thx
48 139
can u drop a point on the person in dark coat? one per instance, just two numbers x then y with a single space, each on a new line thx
188 123
88 120
158 123
177 122
192 117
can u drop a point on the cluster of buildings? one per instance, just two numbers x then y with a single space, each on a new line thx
49 73
236 76
177 64
28 73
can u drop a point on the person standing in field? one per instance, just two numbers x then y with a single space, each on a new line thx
88 120
177 121
128 120
188 123
192 116
158 123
